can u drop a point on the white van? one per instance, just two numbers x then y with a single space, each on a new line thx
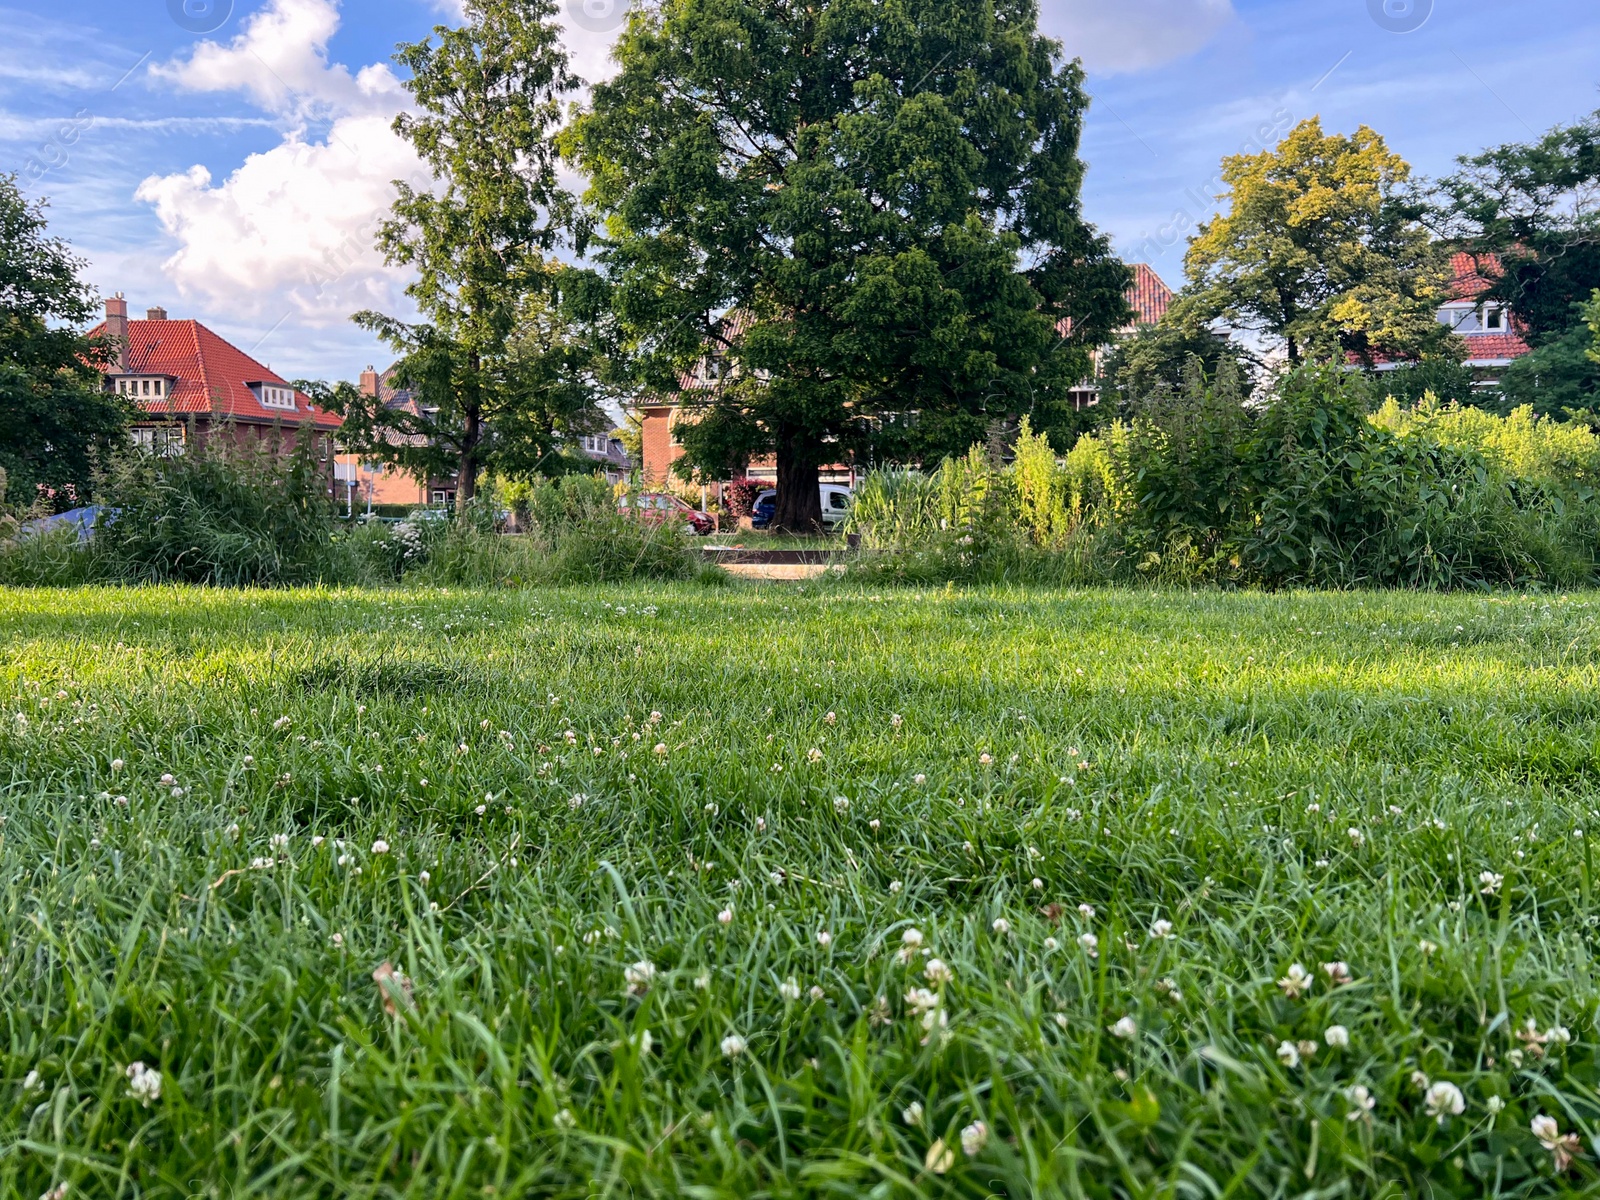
836 500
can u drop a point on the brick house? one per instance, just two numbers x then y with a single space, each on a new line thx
188 382
363 483
1150 298
1490 331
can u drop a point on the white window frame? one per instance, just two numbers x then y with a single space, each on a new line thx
276 396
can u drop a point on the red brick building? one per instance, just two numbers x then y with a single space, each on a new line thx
189 382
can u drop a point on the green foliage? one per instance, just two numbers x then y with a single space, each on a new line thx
885 198
1533 205
221 513
1445 379
1195 759
1320 249
496 368
57 421
1156 358
1308 489
1559 377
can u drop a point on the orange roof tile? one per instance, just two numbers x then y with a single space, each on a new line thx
211 375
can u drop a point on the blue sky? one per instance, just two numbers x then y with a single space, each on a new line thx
229 161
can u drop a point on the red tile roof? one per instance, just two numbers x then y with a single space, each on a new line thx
211 375
1473 275
1149 296
1491 347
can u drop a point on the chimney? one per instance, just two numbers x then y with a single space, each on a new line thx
117 332
369 382
155 314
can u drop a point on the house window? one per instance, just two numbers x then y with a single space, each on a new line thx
273 396
163 440
596 443
1494 319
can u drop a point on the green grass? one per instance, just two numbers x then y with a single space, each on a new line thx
1196 759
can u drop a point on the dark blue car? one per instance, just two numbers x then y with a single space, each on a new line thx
765 508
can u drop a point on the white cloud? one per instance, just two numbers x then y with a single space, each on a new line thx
281 61
292 228
1133 35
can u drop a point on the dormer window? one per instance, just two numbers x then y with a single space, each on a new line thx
1494 319
275 395
153 387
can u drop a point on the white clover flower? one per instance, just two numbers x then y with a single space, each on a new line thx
282 723
919 779
1288 1055
232 831
831 718
1050 943
940 1158
1491 883
911 1114
1563 1147
1001 926
824 938
1062 1020
1356 836
974 1138
1428 948
30 1081
894 887
937 973
1160 931
733 1046
1444 1100
1337 1037
380 847
280 841
1495 1105
1036 884
564 1119
661 748
639 976
921 1000
1125 1028
1361 1102
985 759
167 780
1086 911
789 989
896 720
725 917
144 1083
1296 982
262 864
1338 973
1090 943
841 804
576 801
117 764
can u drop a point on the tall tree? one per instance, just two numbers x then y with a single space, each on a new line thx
57 421
1321 249
882 200
1537 207
488 98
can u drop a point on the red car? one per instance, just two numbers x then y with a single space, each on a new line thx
660 508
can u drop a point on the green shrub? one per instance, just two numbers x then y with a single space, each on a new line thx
54 559
221 514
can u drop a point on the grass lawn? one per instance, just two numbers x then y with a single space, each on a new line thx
979 894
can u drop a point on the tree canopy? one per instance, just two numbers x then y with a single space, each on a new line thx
495 373
1321 249
885 199
57 421
1536 206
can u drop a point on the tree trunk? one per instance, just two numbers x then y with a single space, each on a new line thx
467 473
799 494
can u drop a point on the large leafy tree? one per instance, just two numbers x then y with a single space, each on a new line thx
1321 250
865 216
1535 207
57 421
489 96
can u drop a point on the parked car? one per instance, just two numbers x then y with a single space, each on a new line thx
660 508
836 500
